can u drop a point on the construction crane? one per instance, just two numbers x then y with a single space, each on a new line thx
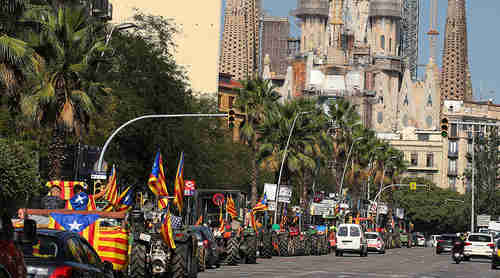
433 32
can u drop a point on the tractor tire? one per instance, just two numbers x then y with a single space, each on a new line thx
202 259
292 246
275 241
267 246
233 252
314 246
307 246
184 263
137 266
252 250
301 247
283 246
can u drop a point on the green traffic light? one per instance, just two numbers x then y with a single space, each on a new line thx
444 134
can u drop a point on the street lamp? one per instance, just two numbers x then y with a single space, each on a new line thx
283 163
371 166
119 27
347 161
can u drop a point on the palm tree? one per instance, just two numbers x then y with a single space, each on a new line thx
61 97
254 99
305 148
16 56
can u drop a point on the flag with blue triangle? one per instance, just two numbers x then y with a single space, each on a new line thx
74 222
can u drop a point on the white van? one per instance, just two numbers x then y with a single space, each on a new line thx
351 239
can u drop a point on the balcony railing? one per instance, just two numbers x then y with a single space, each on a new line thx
452 154
452 172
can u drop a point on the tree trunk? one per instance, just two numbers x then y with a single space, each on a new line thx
56 153
253 176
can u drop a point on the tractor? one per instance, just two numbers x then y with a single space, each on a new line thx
238 242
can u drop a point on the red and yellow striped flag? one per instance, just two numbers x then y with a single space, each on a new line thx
157 182
199 221
166 230
253 222
112 191
179 184
231 208
221 221
112 246
66 187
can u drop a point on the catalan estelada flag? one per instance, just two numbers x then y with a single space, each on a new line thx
166 229
112 246
81 201
253 222
231 208
83 224
261 205
126 199
199 221
111 194
179 184
221 221
157 182
66 187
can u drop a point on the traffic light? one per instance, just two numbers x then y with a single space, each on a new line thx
98 186
444 127
230 119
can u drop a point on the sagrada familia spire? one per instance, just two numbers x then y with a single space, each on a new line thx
455 77
240 39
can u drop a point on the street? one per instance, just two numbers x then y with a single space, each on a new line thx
396 263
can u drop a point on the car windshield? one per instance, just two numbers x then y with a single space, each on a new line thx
448 238
354 231
479 238
342 231
371 236
44 247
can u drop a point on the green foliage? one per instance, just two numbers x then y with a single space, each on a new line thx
19 178
436 210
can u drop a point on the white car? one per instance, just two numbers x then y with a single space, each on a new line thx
351 239
478 245
375 242
434 240
421 240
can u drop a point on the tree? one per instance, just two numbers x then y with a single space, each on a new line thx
19 177
61 96
255 98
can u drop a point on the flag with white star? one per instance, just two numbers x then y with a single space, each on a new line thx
79 201
74 222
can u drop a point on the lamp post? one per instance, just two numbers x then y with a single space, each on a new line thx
119 27
276 195
347 161
371 166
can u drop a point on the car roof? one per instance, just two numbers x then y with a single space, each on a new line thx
479 234
449 235
357 225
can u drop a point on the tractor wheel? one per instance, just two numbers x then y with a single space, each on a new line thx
178 267
314 246
292 246
233 250
202 259
283 246
252 250
267 246
307 246
301 247
137 265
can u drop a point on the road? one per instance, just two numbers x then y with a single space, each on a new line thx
396 263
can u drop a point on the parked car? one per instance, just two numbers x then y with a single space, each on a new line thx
11 258
445 243
351 239
211 251
420 240
495 256
61 254
478 245
375 242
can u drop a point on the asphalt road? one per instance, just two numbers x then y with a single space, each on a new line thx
396 263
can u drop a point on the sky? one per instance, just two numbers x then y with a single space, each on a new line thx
483 16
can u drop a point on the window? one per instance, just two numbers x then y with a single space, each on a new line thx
454 130
390 44
231 102
452 147
423 137
74 251
479 238
452 166
382 42
452 181
414 159
92 258
430 160
342 231
354 231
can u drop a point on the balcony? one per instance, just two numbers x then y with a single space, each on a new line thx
452 173
452 154
100 8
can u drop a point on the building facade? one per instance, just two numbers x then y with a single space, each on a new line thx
275 35
228 91
240 39
198 27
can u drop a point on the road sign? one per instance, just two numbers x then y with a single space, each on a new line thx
483 220
218 199
99 175
271 205
270 191
189 188
413 186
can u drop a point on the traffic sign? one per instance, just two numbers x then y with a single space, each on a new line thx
189 188
99 175
218 199
413 185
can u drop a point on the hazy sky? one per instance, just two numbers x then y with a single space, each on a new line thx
483 18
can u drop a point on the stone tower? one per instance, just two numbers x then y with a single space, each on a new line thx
384 37
240 39
313 15
455 76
